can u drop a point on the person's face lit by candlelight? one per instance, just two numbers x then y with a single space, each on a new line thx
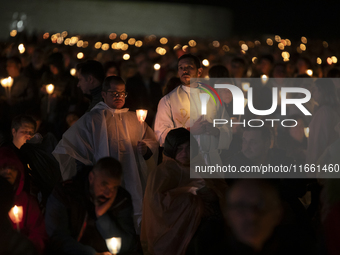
114 97
22 134
187 69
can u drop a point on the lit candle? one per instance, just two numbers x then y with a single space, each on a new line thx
264 79
9 85
15 215
49 90
114 244
141 116
156 73
245 86
306 129
73 72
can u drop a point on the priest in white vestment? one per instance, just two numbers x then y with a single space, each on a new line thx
182 108
111 130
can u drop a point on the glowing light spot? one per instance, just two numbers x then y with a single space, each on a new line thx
21 48
329 61
309 72
277 38
192 43
325 44
302 47
225 48
60 40
85 44
98 45
285 54
319 61
73 72
74 40
139 43
126 56
177 46
13 33
46 36
113 36
269 42
125 46
244 47
205 62
114 46
157 66
67 41
80 43
131 41
257 43
303 39
123 36
281 46
216 44
120 45
80 55
105 46
163 40
334 59
289 43
185 48
64 34
254 60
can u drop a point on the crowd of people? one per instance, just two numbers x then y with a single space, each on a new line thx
83 168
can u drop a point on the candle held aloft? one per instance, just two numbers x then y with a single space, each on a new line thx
16 214
49 89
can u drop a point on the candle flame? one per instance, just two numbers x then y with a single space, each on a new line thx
141 115
114 244
49 89
16 214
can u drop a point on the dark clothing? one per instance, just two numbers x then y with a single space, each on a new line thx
72 224
143 95
96 97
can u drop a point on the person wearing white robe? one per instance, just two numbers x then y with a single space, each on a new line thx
110 130
182 108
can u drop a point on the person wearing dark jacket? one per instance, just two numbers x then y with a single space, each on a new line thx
81 213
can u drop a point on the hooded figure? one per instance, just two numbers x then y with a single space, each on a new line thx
32 224
172 208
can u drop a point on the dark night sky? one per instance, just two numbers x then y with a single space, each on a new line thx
314 19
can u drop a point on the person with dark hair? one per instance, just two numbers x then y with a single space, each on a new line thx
173 83
32 224
11 242
265 64
111 130
65 95
91 76
22 91
111 69
182 108
175 205
144 92
218 71
238 67
302 65
81 213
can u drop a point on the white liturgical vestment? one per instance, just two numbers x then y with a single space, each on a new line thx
182 108
105 132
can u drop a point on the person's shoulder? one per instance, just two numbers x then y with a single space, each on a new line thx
171 94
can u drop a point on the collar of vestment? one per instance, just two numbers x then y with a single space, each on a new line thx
103 106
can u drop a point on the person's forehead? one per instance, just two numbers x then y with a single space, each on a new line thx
186 61
27 126
117 87
246 192
110 181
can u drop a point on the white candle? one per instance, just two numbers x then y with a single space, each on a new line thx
49 90
114 244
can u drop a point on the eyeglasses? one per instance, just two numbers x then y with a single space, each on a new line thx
117 94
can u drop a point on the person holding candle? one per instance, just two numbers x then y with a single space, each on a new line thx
83 212
11 242
32 224
182 108
111 130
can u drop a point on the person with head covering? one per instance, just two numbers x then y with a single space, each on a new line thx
32 224
173 206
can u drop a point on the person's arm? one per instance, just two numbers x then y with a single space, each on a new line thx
164 120
58 229
118 222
